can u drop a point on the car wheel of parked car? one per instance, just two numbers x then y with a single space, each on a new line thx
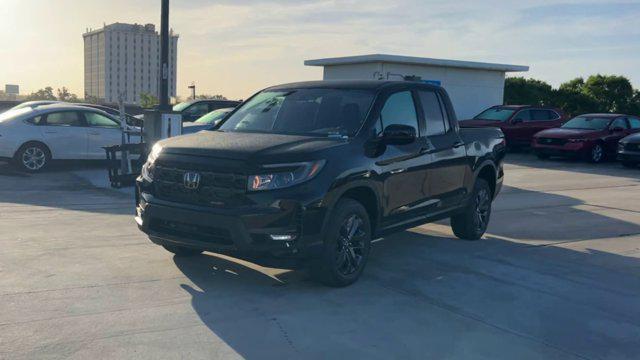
182 251
597 154
542 156
32 157
629 164
472 222
347 242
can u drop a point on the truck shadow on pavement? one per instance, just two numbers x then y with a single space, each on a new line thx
429 297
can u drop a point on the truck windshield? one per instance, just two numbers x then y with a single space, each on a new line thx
495 114
587 123
308 111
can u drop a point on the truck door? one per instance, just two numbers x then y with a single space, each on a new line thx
402 168
446 168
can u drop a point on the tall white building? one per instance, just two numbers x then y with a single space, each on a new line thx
125 59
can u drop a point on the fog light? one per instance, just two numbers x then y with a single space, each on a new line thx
282 237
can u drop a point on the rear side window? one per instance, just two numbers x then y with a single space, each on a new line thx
540 115
67 118
634 122
432 113
399 110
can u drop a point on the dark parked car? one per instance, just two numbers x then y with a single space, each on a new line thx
592 136
206 122
194 109
518 122
314 171
629 147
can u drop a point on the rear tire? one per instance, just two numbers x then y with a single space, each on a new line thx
32 157
473 221
182 251
347 242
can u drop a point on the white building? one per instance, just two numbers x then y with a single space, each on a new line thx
472 86
125 59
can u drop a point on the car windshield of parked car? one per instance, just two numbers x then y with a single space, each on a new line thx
182 106
495 114
212 117
587 123
308 111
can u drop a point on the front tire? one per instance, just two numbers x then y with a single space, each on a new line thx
346 247
32 157
182 251
473 221
597 154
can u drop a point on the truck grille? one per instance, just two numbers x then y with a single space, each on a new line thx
214 189
551 141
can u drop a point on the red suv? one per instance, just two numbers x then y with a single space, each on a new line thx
518 122
594 136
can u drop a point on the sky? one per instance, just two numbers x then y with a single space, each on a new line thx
237 47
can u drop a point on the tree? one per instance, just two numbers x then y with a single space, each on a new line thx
91 99
521 91
573 102
613 93
42 94
148 101
65 95
211 97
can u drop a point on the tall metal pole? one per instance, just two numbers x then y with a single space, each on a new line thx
164 56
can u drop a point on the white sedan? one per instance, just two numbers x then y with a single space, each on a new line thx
32 137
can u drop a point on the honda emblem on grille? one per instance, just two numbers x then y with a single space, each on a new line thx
191 180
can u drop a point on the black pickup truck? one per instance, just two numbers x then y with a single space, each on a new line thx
314 171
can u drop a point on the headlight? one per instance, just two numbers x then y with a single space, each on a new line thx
290 174
576 140
149 167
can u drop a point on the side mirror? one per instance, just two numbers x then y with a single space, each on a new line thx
617 129
517 121
399 134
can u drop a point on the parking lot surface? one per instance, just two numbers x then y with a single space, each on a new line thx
556 276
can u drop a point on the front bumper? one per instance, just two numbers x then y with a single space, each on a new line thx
241 231
629 156
568 149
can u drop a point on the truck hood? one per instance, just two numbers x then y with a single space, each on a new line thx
247 146
563 133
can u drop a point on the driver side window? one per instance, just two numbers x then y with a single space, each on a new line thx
619 123
399 110
524 115
98 120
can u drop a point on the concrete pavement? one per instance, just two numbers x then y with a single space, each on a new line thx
557 276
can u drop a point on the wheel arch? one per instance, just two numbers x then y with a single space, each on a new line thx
38 142
367 196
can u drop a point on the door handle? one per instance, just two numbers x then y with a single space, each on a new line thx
457 144
93 133
398 171
50 132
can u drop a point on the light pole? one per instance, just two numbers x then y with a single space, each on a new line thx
193 90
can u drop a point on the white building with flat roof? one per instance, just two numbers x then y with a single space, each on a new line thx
125 59
472 86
